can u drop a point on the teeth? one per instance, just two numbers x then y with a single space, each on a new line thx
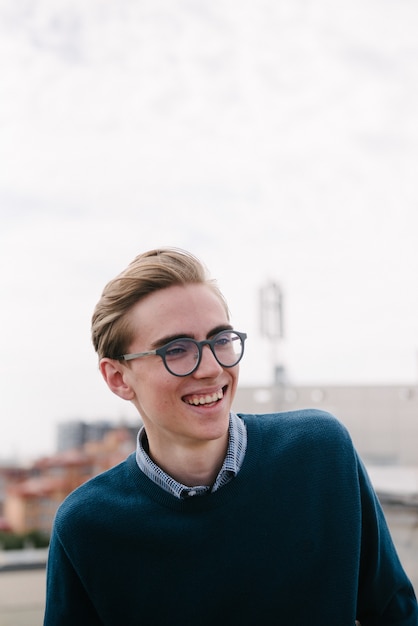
208 399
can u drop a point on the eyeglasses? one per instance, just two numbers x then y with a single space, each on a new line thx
182 357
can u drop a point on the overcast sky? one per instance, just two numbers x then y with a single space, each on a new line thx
277 140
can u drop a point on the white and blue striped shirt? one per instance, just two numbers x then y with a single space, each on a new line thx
237 445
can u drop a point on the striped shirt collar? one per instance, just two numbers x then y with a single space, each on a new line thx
237 445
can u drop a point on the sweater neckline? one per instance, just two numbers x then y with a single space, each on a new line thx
148 488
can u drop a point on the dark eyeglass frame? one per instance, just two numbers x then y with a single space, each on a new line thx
199 345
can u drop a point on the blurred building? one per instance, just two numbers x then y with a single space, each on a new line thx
30 504
9 474
382 420
75 433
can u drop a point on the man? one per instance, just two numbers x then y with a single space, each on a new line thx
217 518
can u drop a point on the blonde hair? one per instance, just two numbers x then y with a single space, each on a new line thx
148 272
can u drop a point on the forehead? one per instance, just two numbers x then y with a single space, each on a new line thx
191 309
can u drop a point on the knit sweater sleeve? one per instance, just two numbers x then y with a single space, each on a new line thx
385 596
67 601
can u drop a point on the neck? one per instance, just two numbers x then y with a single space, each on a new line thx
192 467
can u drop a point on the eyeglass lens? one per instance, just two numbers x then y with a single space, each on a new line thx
182 355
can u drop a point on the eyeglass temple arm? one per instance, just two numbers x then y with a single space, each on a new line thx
137 355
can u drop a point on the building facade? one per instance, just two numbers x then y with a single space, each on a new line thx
31 504
382 420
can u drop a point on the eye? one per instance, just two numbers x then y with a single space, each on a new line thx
223 340
178 349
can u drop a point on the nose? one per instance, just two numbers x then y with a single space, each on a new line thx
208 366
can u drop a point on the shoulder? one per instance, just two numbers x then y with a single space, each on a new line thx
299 429
95 495
304 420
306 444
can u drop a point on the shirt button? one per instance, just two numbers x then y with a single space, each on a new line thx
192 492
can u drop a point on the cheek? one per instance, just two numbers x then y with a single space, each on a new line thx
234 381
157 394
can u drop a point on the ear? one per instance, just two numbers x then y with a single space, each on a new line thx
115 375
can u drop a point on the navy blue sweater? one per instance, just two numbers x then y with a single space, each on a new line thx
297 537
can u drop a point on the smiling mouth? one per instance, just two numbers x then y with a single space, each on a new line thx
202 399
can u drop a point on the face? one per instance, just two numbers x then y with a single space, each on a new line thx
184 411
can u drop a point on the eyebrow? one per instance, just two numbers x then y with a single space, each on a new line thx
164 340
